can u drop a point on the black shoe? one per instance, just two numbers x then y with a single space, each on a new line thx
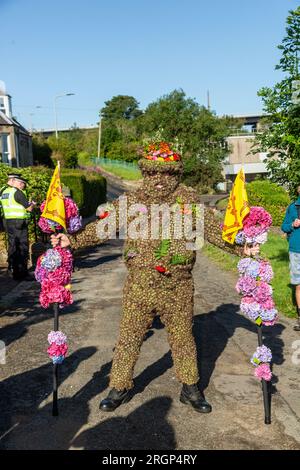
114 399
191 395
297 326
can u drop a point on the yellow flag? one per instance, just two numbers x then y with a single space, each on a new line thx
55 208
237 208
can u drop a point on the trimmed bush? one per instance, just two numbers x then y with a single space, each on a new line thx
88 189
271 196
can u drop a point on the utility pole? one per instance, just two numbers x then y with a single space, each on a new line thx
208 101
99 135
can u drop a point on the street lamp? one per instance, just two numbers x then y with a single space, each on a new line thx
55 111
32 114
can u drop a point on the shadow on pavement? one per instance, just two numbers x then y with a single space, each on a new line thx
21 395
211 338
33 315
144 428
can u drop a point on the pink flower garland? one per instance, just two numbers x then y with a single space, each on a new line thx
55 283
73 220
253 284
58 348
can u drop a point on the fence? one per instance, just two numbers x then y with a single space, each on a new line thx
118 163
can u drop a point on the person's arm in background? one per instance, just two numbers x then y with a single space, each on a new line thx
289 223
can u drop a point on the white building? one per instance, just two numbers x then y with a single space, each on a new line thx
15 140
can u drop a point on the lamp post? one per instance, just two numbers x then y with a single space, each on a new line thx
55 110
31 123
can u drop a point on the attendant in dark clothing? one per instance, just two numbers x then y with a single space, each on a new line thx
291 226
16 209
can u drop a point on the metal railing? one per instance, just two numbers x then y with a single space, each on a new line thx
119 163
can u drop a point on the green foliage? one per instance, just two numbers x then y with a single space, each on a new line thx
280 136
179 259
84 158
64 149
271 196
121 107
123 150
41 151
38 178
163 249
87 188
201 133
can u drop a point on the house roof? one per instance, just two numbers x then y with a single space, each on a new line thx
6 121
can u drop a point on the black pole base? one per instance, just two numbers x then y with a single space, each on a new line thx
268 421
55 411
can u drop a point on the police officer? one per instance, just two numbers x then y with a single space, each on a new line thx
16 212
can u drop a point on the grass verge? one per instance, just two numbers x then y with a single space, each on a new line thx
124 173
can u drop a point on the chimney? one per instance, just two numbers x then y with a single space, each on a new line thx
5 101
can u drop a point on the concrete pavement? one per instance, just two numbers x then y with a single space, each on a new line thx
154 418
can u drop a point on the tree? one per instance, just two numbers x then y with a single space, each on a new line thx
121 107
200 131
280 136
64 150
41 151
174 113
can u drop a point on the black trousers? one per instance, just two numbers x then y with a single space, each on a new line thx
18 246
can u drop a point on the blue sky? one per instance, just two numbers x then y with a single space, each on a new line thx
144 48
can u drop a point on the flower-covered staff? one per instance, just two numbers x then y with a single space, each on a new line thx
249 226
54 268
257 302
54 271
261 360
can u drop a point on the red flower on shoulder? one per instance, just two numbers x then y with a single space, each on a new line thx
104 215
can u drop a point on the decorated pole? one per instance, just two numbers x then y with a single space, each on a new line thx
55 366
54 269
248 226
264 383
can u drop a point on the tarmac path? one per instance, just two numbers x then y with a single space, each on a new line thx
154 418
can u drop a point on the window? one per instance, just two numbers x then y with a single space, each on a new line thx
4 153
2 105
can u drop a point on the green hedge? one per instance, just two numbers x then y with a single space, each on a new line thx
272 197
88 189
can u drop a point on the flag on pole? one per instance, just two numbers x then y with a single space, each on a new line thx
237 208
54 207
